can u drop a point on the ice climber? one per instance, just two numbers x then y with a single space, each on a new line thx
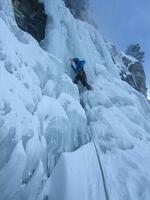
78 67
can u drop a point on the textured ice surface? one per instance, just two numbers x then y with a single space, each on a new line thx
75 178
41 116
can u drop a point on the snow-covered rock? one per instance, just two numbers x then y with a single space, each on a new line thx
131 70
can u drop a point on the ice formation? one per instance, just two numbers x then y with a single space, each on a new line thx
46 151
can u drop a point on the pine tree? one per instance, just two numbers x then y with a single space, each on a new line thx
134 50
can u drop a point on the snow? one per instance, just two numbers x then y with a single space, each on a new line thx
74 177
132 59
148 87
45 146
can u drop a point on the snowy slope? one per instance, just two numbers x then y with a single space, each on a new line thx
41 116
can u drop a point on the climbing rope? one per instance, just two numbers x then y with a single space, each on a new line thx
100 164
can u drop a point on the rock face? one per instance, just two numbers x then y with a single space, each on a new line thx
137 71
131 70
30 17
78 8
136 78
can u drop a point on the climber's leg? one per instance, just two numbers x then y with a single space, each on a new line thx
77 78
84 82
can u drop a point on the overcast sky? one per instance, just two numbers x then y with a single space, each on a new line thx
123 22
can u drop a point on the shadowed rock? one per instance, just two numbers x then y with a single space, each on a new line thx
77 8
137 71
136 78
30 17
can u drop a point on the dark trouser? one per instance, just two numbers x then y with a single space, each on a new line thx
81 76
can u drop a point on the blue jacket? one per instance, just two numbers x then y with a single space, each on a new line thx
79 65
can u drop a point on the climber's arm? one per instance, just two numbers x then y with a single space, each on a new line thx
73 67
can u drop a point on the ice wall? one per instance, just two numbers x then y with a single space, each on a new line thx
41 116
67 37
117 114
40 112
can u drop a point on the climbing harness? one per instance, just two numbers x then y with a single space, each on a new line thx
100 163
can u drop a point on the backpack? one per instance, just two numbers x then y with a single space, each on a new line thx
80 66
